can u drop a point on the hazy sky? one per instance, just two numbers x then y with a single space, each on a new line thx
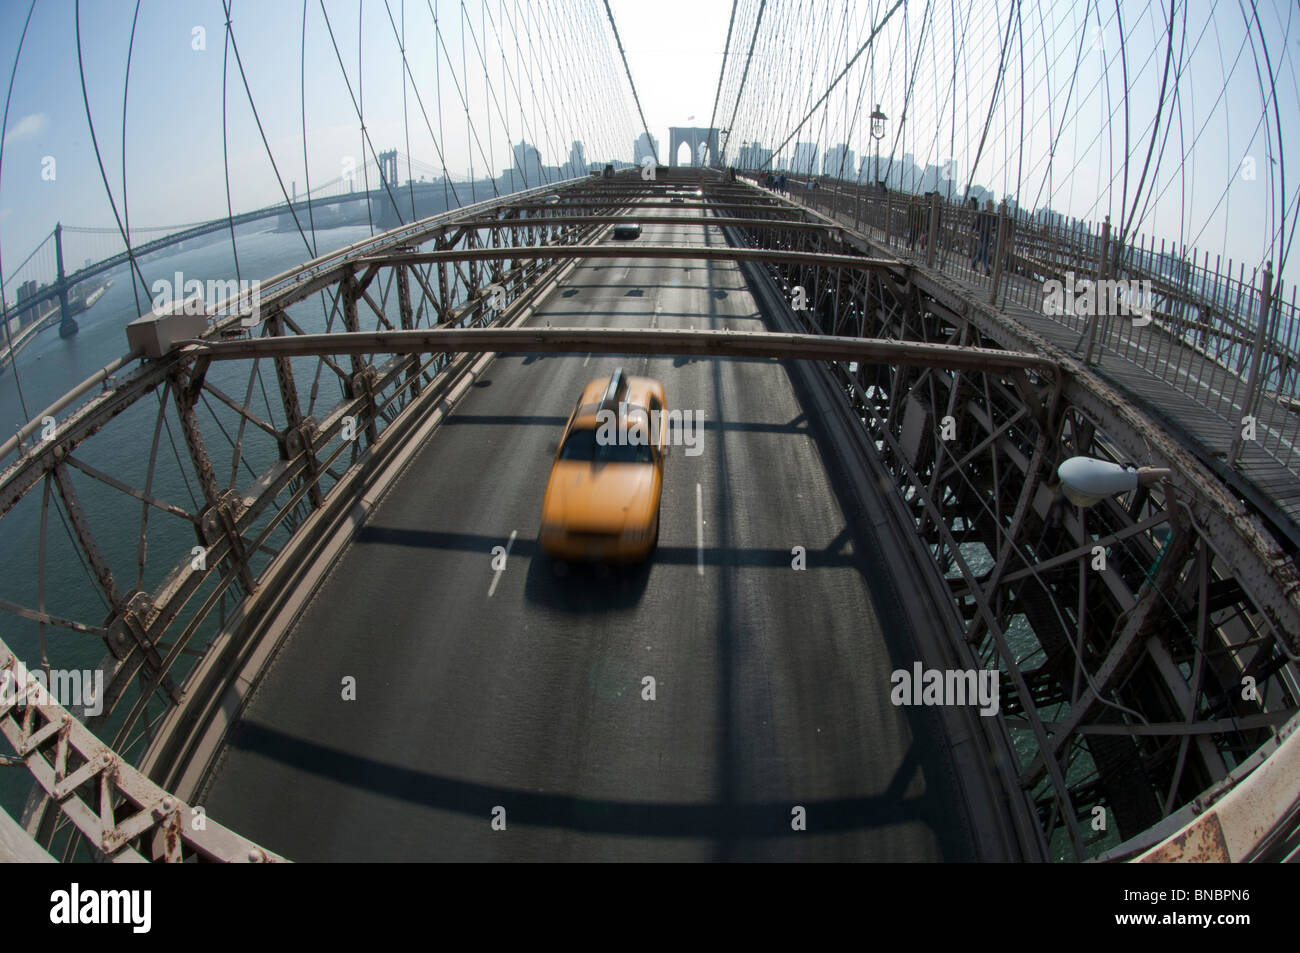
1038 99
675 51
1041 100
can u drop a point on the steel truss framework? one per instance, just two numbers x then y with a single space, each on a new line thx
1147 646
271 453
1123 685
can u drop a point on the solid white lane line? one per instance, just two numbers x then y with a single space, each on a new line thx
496 576
584 363
699 529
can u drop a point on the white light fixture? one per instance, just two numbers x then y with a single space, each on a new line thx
878 123
1086 482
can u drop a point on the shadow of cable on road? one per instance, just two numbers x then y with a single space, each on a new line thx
833 554
928 744
724 821
585 588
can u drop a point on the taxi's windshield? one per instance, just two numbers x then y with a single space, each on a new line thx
583 445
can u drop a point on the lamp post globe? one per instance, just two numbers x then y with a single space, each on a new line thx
1086 481
877 133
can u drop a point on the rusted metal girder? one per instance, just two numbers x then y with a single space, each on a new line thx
1242 820
755 344
123 815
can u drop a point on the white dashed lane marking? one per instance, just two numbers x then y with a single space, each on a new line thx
699 529
496 575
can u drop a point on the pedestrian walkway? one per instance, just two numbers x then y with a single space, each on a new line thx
1197 398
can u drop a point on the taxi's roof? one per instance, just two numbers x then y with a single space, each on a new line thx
638 394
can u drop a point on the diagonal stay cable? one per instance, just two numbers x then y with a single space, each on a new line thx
835 82
613 26
356 108
99 159
723 70
447 185
740 87
126 87
4 125
261 131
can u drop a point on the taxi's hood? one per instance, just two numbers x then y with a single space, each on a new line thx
599 497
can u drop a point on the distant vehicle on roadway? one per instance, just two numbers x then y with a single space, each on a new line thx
626 232
602 498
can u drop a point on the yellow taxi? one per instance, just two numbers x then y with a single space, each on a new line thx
602 498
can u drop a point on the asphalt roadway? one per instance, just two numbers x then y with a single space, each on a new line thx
501 715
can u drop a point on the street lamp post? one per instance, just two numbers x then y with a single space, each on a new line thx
877 133
878 119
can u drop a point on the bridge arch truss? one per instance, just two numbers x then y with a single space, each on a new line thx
1124 684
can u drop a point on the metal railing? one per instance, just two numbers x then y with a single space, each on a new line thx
1131 668
1213 330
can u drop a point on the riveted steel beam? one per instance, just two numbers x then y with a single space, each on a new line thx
754 344
122 814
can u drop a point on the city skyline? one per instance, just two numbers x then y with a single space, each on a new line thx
215 160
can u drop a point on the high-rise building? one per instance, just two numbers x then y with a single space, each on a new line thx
838 161
870 174
577 161
25 291
805 158
645 145
754 156
528 164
